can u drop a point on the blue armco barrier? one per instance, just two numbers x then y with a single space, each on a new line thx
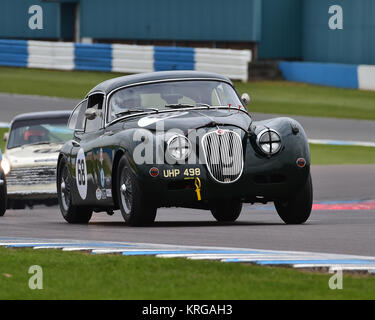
93 57
174 58
329 74
123 58
13 53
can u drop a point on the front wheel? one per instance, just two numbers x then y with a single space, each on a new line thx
227 211
297 209
135 206
70 212
3 198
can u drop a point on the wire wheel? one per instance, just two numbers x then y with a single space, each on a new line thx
126 194
65 189
135 205
70 212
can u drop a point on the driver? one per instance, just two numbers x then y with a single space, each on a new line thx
35 134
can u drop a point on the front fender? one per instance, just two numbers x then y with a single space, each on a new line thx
293 136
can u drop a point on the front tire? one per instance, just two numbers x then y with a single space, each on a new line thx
297 209
71 213
3 198
135 207
227 211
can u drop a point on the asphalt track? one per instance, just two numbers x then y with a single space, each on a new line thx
316 128
344 231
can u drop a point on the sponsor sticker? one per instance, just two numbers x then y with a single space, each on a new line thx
154 172
104 194
98 194
101 155
102 178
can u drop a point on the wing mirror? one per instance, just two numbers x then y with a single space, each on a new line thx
245 99
6 136
91 114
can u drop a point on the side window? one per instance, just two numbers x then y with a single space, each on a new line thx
76 120
95 102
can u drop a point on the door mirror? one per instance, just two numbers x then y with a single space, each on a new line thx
245 99
6 136
90 114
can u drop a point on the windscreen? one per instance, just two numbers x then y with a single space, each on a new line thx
39 131
167 94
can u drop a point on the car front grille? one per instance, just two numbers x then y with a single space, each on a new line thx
223 153
31 176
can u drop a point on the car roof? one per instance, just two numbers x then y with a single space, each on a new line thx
42 115
111 84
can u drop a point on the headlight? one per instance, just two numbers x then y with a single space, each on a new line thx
269 141
179 147
5 165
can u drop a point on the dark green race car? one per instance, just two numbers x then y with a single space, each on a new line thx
181 139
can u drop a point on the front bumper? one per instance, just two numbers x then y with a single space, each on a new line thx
262 181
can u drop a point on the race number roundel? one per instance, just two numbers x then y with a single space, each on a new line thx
81 174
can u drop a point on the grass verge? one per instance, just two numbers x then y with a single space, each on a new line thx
85 276
280 97
336 155
292 98
2 142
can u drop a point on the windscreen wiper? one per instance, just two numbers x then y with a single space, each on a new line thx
134 110
185 105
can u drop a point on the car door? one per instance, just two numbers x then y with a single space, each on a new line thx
93 147
88 129
77 159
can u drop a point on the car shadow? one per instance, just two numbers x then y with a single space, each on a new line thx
187 224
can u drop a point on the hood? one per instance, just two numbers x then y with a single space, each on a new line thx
186 120
33 155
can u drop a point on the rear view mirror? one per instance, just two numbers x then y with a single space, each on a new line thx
6 136
245 99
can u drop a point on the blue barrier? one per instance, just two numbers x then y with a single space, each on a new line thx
13 53
122 58
93 57
329 74
174 58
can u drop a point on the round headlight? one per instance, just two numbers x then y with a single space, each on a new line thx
269 141
179 147
5 165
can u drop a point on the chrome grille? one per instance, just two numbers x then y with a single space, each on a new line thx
223 154
31 176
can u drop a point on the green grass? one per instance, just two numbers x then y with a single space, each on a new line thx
66 84
336 155
2 142
85 276
309 100
267 96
